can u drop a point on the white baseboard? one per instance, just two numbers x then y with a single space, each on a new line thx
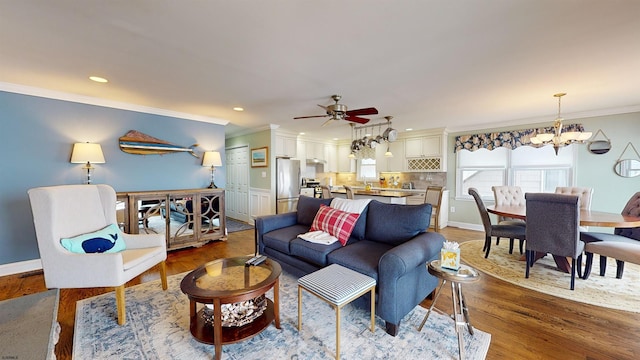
466 226
20 267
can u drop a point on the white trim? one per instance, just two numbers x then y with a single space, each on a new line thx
20 267
58 95
466 226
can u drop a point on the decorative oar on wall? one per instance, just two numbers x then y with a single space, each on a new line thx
135 142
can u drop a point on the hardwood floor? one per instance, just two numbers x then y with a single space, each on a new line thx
524 324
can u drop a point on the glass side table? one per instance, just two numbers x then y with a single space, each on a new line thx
465 274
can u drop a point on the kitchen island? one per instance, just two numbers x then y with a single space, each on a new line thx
394 196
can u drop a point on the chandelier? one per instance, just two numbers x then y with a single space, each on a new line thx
558 138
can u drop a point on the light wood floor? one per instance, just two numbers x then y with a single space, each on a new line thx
524 324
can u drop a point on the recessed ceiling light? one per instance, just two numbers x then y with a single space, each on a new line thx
408 129
301 133
335 139
98 79
238 108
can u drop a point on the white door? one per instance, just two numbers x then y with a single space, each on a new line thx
237 189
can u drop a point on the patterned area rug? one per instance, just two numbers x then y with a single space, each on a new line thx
158 328
235 225
607 291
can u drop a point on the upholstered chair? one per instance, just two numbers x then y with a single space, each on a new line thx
623 245
349 192
326 191
66 211
508 196
503 230
433 196
584 194
552 227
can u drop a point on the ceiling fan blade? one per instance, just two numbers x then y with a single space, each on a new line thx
328 121
324 107
307 117
364 111
356 119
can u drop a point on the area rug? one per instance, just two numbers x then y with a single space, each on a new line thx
235 225
607 291
158 328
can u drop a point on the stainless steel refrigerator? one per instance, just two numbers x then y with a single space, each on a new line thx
288 182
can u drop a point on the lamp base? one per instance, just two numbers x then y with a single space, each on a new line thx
212 186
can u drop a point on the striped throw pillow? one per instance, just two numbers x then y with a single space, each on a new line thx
335 222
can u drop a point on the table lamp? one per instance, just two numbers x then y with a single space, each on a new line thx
87 153
212 159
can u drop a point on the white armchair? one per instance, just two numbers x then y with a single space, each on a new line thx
69 210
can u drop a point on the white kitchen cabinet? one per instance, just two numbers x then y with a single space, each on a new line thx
397 162
425 153
345 164
315 150
286 146
331 156
423 146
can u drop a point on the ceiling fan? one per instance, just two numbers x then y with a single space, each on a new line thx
339 112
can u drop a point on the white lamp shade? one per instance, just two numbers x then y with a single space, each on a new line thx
87 152
211 158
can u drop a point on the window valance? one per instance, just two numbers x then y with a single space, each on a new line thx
509 139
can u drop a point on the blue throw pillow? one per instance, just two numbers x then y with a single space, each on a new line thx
394 224
106 240
308 207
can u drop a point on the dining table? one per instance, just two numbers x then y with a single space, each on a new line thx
587 218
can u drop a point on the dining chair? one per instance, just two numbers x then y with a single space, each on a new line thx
508 196
552 227
349 192
326 191
433 196
503 230
623 245
584 194
81 246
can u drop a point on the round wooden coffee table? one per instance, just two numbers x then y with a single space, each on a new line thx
229 281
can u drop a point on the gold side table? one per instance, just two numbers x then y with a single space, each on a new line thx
465 274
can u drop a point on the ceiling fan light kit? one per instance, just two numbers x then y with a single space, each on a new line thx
340 112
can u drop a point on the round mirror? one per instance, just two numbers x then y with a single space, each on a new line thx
599 146
627 168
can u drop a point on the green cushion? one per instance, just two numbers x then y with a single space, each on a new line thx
108 239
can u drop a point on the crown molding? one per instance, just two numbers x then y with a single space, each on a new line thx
88 100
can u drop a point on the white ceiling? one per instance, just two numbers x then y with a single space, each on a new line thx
460 64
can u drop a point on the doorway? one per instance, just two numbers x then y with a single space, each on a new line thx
237 189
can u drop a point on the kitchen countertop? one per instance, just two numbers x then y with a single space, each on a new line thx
398 193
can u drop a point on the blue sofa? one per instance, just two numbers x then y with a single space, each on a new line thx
388 243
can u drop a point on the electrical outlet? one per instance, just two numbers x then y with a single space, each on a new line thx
453 209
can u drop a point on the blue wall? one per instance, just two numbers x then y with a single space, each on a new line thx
36 138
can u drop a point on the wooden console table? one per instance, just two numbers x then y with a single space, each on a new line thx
189 217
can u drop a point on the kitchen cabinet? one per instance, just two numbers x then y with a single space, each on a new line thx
425 153
345 164
331 155
315 150
286 146
423 146
175 213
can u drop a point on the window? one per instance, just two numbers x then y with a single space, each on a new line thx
367 169
533 169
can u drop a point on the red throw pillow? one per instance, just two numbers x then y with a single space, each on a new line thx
335 222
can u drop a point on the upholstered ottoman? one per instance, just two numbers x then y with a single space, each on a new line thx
338 286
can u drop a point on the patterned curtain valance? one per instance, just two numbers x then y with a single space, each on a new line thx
509 139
